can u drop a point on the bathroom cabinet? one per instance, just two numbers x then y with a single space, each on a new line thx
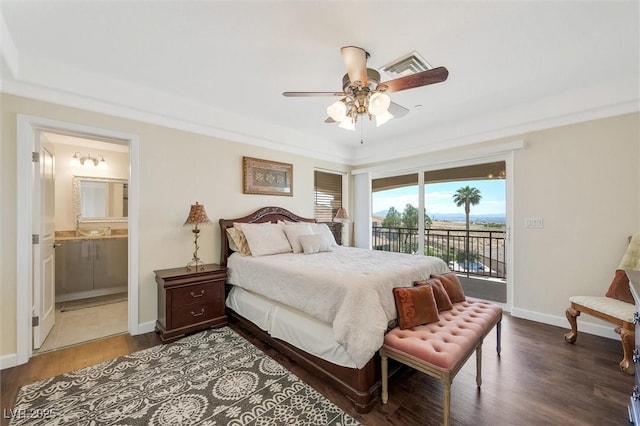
91 267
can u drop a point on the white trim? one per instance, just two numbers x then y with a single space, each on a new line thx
8 361
583 326
27 127
437 161
147 327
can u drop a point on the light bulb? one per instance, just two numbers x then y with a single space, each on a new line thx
337 111
75 161
88 163
383 118
347 124
103 163
379 103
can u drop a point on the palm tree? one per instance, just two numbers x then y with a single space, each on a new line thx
468 197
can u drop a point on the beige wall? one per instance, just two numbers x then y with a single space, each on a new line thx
176 169
584 181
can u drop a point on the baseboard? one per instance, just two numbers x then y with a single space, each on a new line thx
583 326
8 361
146 327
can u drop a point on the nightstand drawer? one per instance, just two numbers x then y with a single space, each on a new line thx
199 293
195 313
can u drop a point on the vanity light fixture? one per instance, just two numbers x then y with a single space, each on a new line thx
197 216
88 161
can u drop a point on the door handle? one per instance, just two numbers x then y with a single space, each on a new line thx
56 245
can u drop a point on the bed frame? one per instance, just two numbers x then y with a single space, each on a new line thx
360 386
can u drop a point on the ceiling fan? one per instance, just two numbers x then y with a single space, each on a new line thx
363 93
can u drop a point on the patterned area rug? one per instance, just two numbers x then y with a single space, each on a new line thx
211 378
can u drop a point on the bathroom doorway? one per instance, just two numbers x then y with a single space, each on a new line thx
28 206
91 232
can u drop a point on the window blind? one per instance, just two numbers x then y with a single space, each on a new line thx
328 199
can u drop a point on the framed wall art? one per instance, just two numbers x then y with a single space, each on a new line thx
266 177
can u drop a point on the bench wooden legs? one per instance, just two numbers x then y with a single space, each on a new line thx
499 337
384 362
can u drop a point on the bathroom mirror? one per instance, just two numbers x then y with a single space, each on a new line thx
97 199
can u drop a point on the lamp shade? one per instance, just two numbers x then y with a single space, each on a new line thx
379 103
341 215
337 110
197 215
347 124
383 118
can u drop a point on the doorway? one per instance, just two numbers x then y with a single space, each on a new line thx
29 129
91 230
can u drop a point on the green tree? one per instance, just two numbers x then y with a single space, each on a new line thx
467 197
393 219
410 217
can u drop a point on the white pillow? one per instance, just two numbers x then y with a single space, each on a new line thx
294 231
314 244
265 239
323 229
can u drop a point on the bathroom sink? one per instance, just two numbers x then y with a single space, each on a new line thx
97 232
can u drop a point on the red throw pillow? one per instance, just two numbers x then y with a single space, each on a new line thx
440 294
415 306
619 288
452 285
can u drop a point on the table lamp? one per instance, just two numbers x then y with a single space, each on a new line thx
197 216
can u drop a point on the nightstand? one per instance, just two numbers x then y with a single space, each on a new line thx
190 301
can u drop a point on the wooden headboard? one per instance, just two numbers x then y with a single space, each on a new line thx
265 214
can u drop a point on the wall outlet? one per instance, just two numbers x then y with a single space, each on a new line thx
534 222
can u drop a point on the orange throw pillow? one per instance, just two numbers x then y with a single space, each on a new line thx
619 288
452 285
440 294
415 306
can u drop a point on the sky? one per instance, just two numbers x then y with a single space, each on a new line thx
439 197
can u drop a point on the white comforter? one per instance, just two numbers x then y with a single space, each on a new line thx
349 288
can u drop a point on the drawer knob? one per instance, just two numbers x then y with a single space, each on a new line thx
198 313
198 295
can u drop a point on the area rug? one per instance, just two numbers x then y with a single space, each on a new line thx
215 377
92 302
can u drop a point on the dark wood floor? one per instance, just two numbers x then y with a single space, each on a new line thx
539 380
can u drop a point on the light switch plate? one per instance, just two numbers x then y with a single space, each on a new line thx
534 222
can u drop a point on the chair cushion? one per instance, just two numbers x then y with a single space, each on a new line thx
612 307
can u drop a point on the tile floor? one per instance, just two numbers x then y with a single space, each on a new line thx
73 327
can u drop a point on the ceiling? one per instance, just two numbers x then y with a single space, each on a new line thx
219 68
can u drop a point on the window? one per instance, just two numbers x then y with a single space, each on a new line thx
327 200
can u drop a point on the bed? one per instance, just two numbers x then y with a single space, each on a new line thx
327 311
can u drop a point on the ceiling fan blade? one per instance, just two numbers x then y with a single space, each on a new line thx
397 110
330 120
355 60
304 94
424 78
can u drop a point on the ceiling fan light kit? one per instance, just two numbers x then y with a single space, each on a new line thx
364 94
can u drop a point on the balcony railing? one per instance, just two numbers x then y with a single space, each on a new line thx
480 253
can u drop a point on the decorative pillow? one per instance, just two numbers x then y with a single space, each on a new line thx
237 237
415 306
313 243
442 298
323 229
619 288
294 231
265 239
452 285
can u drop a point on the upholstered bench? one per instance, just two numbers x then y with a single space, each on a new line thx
441 348
611 310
